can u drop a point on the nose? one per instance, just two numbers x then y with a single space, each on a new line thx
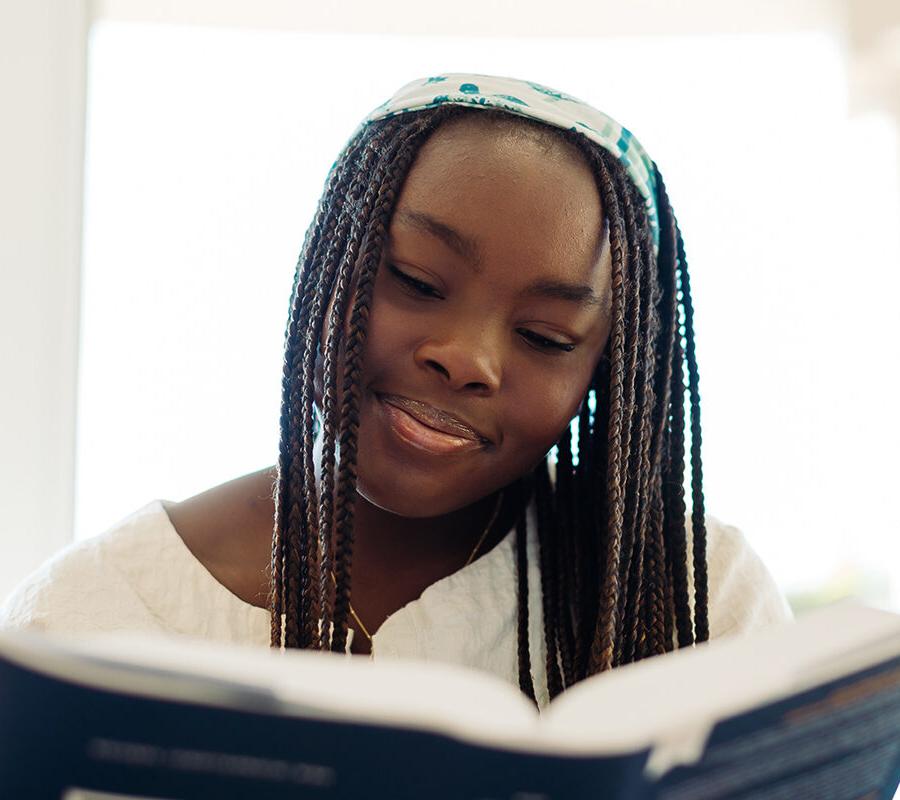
464 361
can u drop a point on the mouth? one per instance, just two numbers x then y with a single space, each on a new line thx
428 428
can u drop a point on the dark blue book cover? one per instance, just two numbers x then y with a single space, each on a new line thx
840 741
55 736
810 710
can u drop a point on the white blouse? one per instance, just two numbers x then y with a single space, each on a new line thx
139 575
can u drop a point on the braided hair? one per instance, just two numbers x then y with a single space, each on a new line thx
612 536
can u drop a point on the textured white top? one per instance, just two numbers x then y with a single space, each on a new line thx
140 576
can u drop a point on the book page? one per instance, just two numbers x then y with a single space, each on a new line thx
674 701
414 694
668 703
840 740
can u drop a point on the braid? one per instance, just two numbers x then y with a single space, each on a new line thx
632 544
603 647
289 568
349 423
636 500
673 467
582 518
561 580
660 550
591 554
548 545
380 148
698 517
526 682
319 519
356 206
638 433
611 535
656 619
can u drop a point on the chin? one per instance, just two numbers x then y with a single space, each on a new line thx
407 498
401 481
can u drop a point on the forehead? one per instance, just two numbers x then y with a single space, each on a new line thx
520 202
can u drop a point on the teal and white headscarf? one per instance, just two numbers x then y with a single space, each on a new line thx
539 102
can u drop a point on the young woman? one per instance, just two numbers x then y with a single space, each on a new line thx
483 426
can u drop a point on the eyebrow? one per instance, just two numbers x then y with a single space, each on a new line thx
580 294
462 245
468 247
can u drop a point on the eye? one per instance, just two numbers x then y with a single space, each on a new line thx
543 343
417 286
426 290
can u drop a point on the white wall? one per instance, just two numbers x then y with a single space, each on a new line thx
42 88
42 69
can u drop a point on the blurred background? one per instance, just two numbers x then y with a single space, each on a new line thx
161 162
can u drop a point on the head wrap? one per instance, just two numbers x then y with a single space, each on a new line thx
528 99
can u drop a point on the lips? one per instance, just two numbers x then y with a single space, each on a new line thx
435 418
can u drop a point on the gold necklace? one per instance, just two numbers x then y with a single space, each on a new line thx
469 560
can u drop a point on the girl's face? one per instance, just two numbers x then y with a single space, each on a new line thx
490 310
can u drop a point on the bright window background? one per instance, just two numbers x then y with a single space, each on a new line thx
206 153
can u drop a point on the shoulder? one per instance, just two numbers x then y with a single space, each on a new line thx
141 575
228 531
743 595
91 584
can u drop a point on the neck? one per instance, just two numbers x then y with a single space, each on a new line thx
433 546
381 537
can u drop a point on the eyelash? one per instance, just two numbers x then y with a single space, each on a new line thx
534 339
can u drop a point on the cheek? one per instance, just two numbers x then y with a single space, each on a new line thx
389 336
538 417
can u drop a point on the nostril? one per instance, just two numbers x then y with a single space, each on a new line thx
439 367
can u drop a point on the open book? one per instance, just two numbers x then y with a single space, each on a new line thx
803 710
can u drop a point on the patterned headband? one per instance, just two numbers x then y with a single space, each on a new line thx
529 99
